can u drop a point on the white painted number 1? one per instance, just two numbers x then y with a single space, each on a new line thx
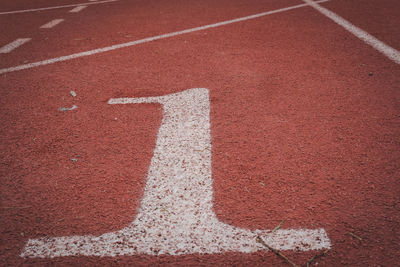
176 214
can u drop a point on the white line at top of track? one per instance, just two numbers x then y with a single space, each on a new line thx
149 39
367 38
55 7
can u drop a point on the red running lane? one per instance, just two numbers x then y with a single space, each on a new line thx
120 22
379 18
27 25
300 132
12 5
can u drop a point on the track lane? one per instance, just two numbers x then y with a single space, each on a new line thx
27 25
19 5
300 131
95 27
379 18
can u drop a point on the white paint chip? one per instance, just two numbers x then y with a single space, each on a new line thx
68 109
176 214
73 93
13 45
51 24
386 50
77 9
146 40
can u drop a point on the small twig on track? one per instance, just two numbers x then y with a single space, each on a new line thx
316 256
356 236
259 240
278 226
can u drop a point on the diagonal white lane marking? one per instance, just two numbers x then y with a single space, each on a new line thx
385 49
77 9
54 7
51 24
11 46
146 40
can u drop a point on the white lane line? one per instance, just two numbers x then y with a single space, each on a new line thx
55 7
51 24
11 46
385 49
77 9
146 40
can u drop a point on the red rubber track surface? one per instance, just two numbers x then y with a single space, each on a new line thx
300 130
123 21
24 4
379 18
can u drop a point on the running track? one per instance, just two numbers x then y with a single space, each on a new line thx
304 120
